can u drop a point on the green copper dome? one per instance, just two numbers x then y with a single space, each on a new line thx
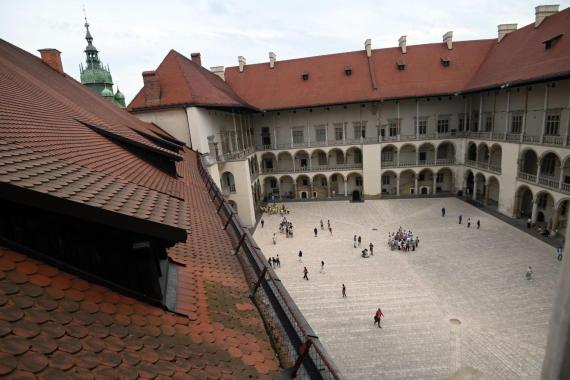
95 75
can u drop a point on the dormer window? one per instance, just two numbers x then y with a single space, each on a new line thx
401 65
551 41
348 70
445 61
305 75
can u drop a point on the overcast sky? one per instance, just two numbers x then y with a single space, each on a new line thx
134 36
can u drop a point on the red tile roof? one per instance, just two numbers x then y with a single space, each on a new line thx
521 56
283 87
57 325
184 82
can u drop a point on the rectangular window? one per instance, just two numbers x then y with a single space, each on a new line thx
385 180
321 134
358 181
552 124
461 123
439 177
423 156
394 127
422 126
265 136
488 123
298 136
388 155
516 123
443 126
273 183
359 129
338 132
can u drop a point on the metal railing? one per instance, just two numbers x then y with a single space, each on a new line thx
313 168
299 348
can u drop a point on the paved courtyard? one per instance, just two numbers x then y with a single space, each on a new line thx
474 276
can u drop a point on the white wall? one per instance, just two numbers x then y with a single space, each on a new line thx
172 121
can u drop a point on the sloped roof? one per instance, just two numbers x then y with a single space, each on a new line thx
521 56
56 325
183 82
283 87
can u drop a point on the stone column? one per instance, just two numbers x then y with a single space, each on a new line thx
434 183
464 185
295 190
474 188
328 189
398 185
555 220
346 187
416 185
486 198
556 365
534 213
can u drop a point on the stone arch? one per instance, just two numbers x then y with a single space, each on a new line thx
407 182
271 188
319 159
496 157
444 181
337 188
528 162
493 192
471 151
354 156
524 198
545 208
228 182
286 187
335 157
408 155
320 186
469 178
354 185
389 156
480 181
268 162
426 154
565 174
302 160
285 162
483 153
426 183
560 222
445 152
550 167
389 182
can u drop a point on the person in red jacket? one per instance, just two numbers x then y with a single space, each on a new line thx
378 317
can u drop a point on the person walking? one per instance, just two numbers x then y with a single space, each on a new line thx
371 246
315 231
278 261
300 256
305 273
460 218
262 222
322 266
529 273
468 222
274 238
322 225
478 224
330 230
378 317
343 291
359 240
443 211
354 240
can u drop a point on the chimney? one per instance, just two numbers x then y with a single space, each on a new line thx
196 58
52 58
448 39
505 29
151 87
368 47
543 11
272 59
219 71
402 44
241 61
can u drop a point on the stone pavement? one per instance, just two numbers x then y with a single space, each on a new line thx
474 276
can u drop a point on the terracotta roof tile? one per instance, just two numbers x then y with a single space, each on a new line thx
184 82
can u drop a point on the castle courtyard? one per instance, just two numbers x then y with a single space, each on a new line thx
459 300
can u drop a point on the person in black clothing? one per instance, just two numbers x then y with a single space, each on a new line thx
305 273
478 224
460 218
443 211
371 246
315 231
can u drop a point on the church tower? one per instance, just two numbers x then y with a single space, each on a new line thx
96 76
